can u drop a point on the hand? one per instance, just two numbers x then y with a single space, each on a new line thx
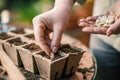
44 24
89 26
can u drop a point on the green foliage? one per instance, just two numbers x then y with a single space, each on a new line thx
27 9
25 14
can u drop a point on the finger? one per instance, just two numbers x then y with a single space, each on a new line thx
47 38
48 41
114 28
95 30
82 20
57 34
40 38
83 24
92 18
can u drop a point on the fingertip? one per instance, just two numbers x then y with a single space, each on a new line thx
108 33
81 20
44 47
56 39
54 49
88 18
83 24
47 52
85 30
92 18
80 24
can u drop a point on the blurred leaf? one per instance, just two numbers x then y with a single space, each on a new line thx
27 9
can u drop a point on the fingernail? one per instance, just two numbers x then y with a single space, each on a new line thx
84 29
109 33
55 49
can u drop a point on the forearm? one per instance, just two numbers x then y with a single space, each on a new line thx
64 4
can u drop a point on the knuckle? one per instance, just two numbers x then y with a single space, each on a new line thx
34 19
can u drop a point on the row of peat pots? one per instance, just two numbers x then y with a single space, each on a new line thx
21 47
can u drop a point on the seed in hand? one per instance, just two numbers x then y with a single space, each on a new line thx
105 21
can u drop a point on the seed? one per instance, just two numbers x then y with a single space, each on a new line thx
105 21
51 56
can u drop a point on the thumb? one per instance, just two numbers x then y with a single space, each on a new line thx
57 34
114 28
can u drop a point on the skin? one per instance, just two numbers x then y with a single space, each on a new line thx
55 20
88 23
52 21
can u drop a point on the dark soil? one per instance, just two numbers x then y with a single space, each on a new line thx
65 48
68 49
19 31
17 42
32 47
30 36
56 56
43 54
4 36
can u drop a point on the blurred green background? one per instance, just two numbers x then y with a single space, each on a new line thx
23 11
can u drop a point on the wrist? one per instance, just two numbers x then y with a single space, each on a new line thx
64 4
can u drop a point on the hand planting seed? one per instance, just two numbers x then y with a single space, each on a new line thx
105 21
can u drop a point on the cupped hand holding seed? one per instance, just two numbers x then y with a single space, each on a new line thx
89 26
108 23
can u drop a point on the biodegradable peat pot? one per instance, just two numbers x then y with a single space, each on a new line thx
11 47
22 31
27 58
30 37
50 69
72 63
4 37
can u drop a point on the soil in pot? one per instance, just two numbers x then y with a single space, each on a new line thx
32 47
17 42
4 36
